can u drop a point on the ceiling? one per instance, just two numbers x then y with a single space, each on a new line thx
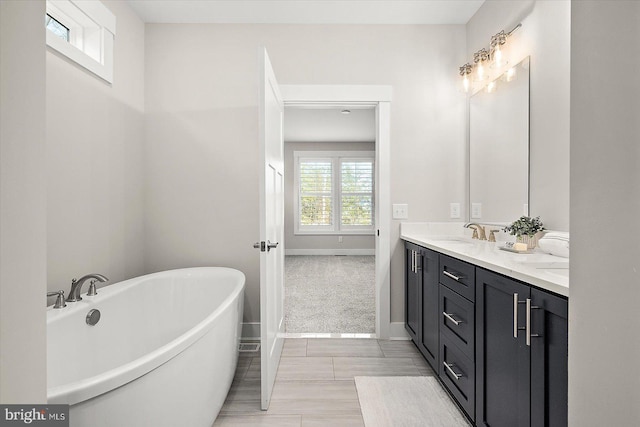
329 125
307 11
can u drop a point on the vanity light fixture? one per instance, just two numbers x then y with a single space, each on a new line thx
497 46
465 72
495 57
480 59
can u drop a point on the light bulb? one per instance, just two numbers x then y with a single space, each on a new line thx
491 87
480 75
466 83
498 57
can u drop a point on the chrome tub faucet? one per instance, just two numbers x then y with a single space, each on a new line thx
59 300
76 286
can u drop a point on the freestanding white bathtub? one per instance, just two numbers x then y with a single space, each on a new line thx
164 352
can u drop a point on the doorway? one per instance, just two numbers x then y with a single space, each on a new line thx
329 154
376 98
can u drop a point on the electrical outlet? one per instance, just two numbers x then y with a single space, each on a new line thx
476 210
454 210
339 239
400 211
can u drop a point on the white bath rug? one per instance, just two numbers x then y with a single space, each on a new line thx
407 402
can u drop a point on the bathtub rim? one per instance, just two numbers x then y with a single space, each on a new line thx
87 388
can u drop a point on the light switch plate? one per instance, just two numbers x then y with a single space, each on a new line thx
454 210
400 211
476 210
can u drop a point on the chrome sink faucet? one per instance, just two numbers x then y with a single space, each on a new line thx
477 228
76 285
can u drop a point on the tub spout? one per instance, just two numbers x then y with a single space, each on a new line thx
76 285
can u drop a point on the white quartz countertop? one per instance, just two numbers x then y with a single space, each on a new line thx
542 270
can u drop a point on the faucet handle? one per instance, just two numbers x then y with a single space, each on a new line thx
92 289
492 236
60 300
475 231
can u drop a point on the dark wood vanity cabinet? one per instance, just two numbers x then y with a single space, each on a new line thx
421 300
549 360
428 342
521 354
413 291
498 345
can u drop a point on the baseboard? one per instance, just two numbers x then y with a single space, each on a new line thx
251 331
330 252
397 331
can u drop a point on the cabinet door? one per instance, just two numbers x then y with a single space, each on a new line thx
502 360
549 357
413 292
429 339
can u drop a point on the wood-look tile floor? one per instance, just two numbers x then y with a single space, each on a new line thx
314 384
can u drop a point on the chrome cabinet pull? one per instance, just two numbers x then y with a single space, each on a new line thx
528 324
413 261
449 368
418 263
528 327
515 315
446 273
450 317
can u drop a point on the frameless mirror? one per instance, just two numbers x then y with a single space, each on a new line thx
499 148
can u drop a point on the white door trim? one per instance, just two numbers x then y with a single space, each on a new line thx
380 98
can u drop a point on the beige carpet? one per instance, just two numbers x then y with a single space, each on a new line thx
330 294
407 402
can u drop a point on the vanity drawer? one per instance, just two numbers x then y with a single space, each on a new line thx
457 320
457 373
458 276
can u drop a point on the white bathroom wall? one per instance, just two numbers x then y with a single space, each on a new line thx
604 375
95 162
23 262
545 36
315 242
202 137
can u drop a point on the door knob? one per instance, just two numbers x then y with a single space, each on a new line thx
271 245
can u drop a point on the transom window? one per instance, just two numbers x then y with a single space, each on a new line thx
56 27
84 32
335 192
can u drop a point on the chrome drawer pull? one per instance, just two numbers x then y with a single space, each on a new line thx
450 317
449 366
456 278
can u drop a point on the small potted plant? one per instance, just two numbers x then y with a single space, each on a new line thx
525 229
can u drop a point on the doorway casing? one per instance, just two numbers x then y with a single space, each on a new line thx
378 97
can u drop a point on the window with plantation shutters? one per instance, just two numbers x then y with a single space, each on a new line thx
316 193
335 192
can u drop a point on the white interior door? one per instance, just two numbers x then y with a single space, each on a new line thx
271 227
